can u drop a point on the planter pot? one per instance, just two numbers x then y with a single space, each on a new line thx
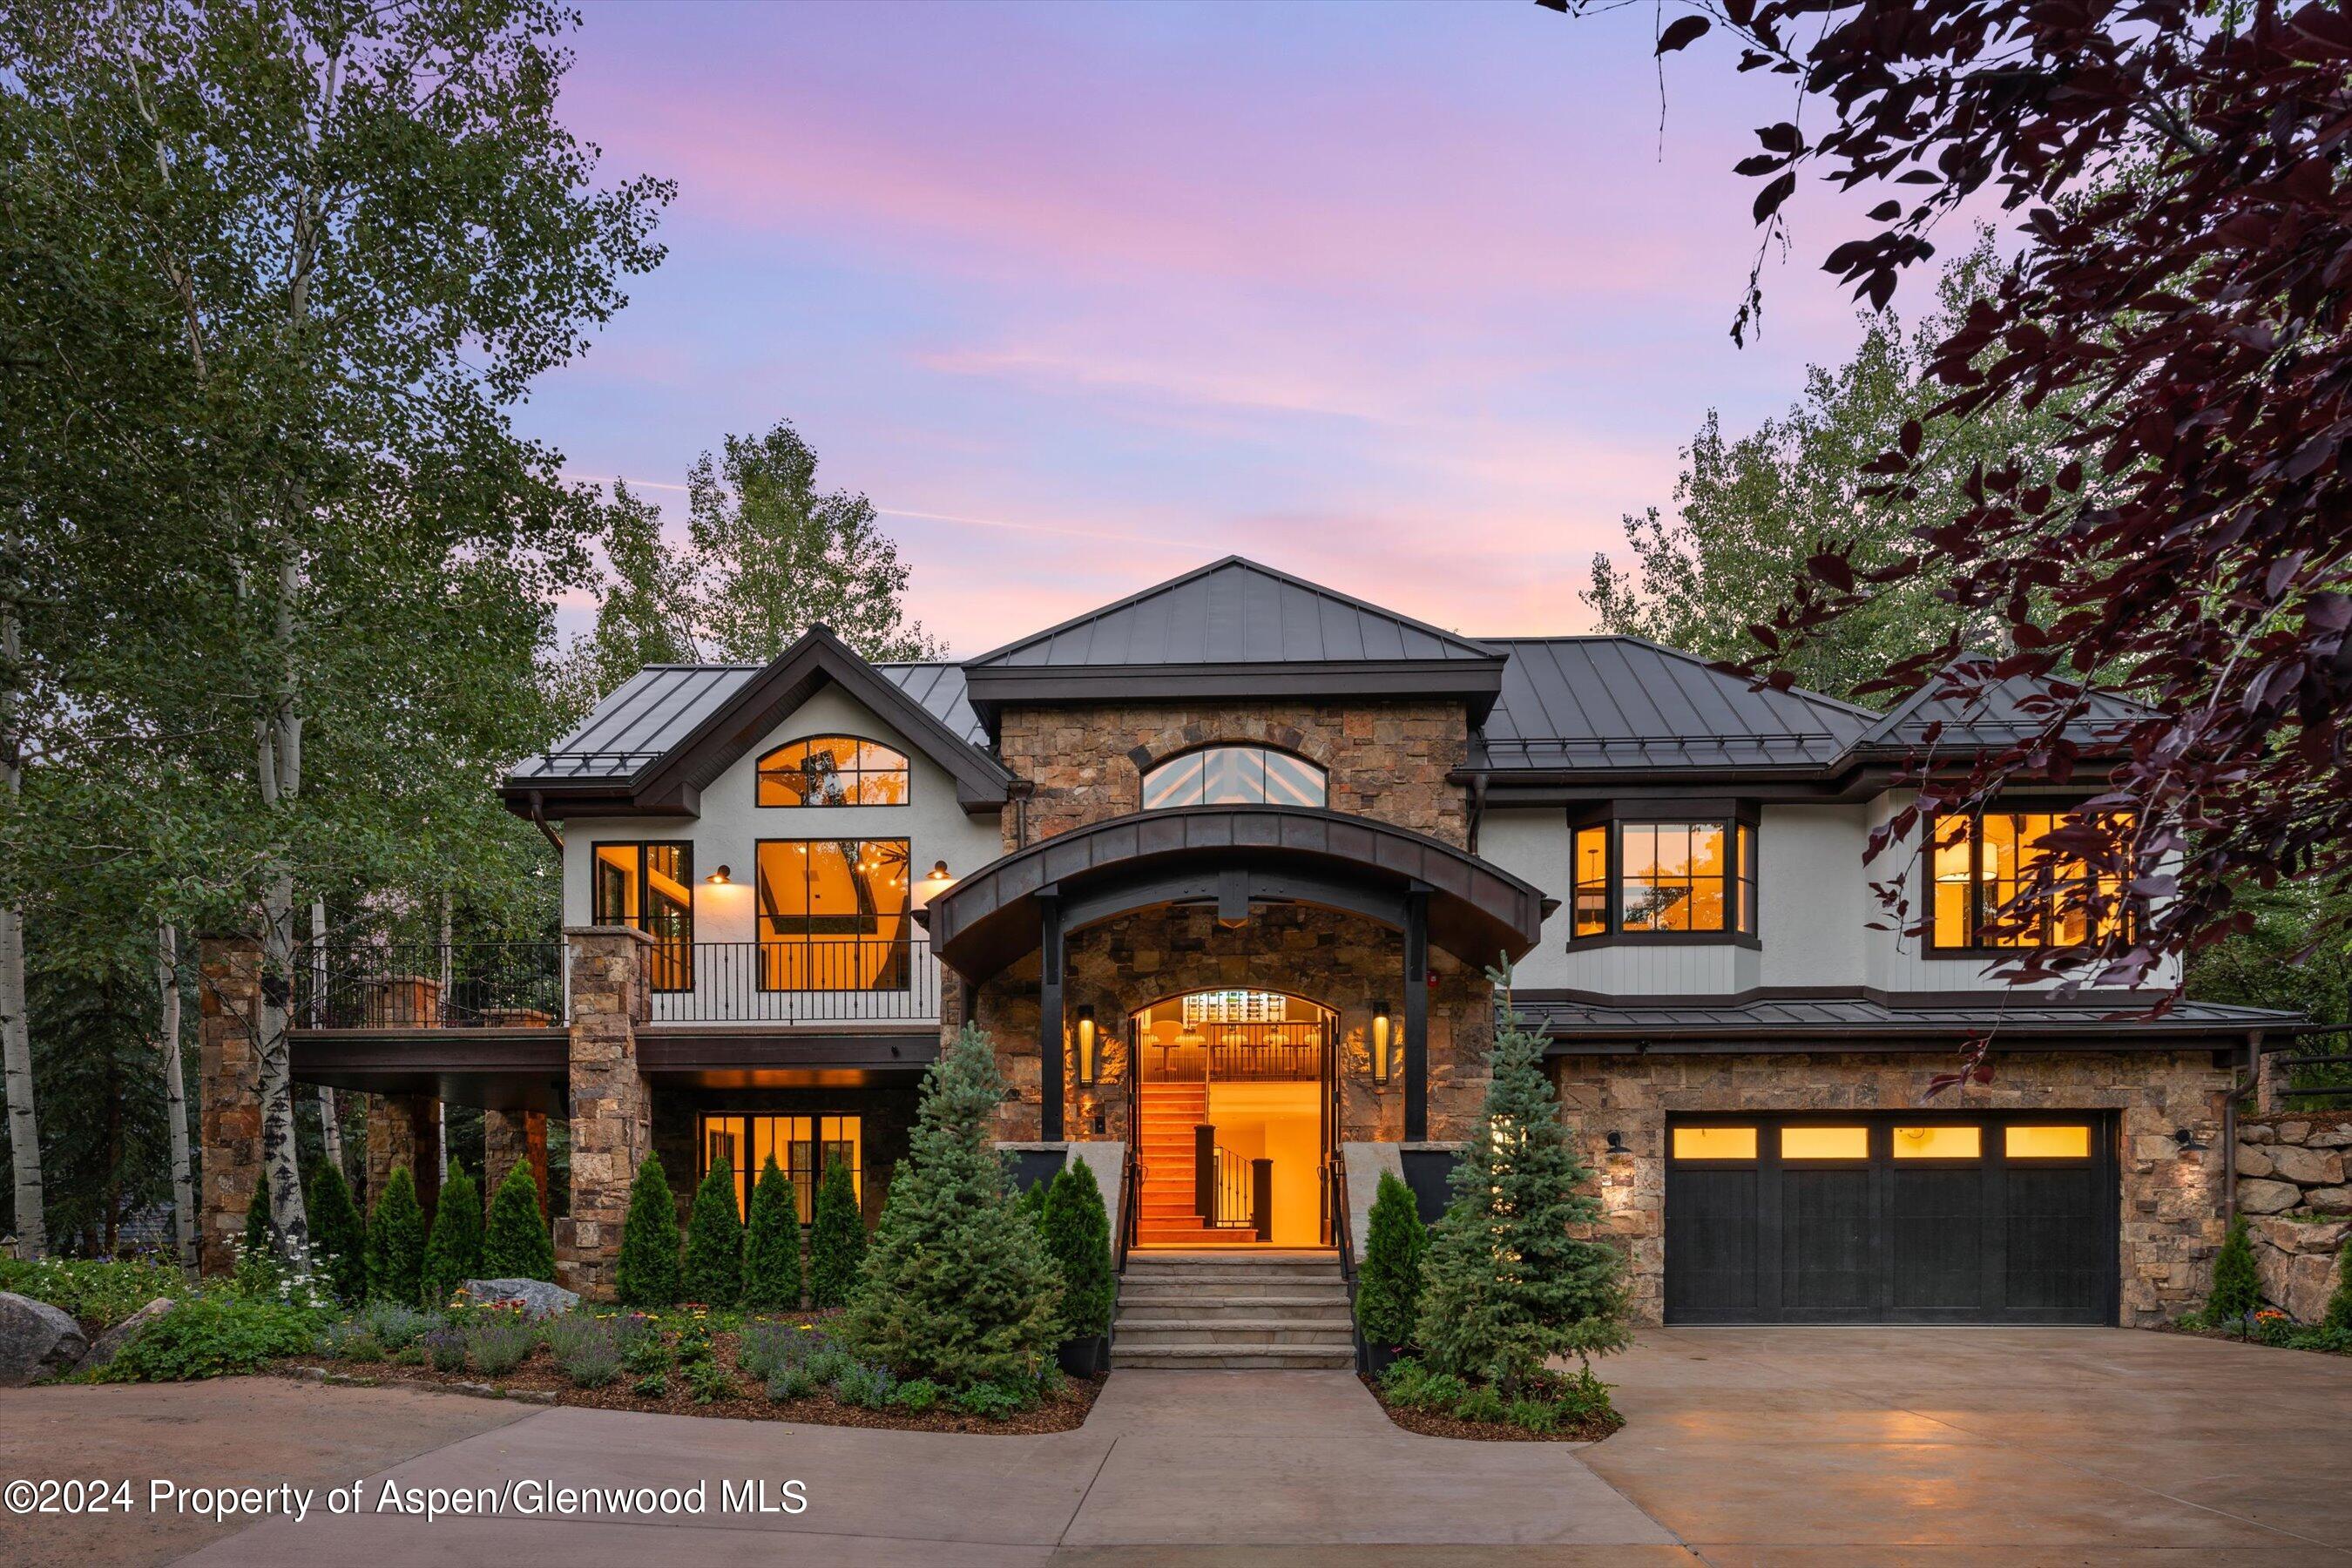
1088 1357
1375 1359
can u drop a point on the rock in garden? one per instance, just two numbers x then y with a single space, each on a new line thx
36 1340
2268 1197
110 1343
539 1298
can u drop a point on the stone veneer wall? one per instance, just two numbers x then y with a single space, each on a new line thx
887 1118
228 1093
2171 1198
404 1129
611 1120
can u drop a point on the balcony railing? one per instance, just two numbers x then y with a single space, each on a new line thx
795 982
427 985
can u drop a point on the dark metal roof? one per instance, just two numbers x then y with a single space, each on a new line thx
1992 713
1764 1021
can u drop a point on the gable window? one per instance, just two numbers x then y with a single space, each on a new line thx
1233 775
650 886
1980 861
1673 879
832 769
833 914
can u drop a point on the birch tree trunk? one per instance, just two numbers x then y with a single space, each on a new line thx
175 1095
278 765
330 1126
16 1037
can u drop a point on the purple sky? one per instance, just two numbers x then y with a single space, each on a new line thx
1411 299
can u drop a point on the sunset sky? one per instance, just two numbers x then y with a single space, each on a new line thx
1415 301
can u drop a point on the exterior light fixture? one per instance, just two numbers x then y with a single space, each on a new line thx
1381 1029
1617 1143
1087 1065
721 877
934 882
2186 1139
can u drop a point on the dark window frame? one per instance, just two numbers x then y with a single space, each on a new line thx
682 977
1741 824
898 966
760 768
2133 910
1144 773
748 1179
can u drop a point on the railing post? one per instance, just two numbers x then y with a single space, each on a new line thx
1262 1199
1205 1170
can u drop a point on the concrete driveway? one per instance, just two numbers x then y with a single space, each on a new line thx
1786 1444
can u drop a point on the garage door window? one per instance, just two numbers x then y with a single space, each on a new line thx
1825 1143
1938 1143
1715 1143
2047 1142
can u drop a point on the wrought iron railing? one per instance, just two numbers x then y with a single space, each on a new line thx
429 986
819 980
1229 1192
1243 1052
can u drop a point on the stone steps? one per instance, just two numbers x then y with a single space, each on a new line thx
1233 1308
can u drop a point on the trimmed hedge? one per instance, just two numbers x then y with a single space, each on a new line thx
714 1240
647 1273
771 1245
517 1246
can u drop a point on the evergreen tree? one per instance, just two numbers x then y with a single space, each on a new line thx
1032 1204
337 1232
396 1243
453 1253
2338 1315
1388 1289
647 1272
957 1288
2237 1288
1076 1229
836 1237
257 1221
714 1240
517 1246
771 1245
1506 1287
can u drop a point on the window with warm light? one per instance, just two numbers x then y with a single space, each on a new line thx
1715 1143
1981 862
801 1147
1591 880
650 886
1938 1143
1233 775
1825 1143
2047 1142
833 914
832 769
1672 879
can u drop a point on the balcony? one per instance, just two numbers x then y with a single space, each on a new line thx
787 983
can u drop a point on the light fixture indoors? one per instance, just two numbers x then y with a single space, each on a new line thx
721 877
1086 1044
1381 1029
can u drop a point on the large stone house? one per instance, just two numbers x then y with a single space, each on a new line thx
1222 869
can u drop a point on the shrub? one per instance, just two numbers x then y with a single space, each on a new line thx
445 1347
827 1365
917 1394
653 1386
958 1287
867 1387
453 1252
396 1242
646 1353
1076 1231
351 1342
765 1349
647 1272
771 1245
586 1349
395 1326
257 1217
214 1336
2237 1288
96 1294
714 1240
2338 1315
708 1381
1505 1285
1032 1204
499 1345
794 1381
517 1246
1533 1416
1482 1403
836 1237
338 1234
1388 1287
990 1401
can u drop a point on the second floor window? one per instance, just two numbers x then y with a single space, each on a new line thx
1233 775
650 886
833 914
1979 862
1664 878
832 769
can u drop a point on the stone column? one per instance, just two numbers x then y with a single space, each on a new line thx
510 1137
612 1111
2272 1083
404 1130
228 1089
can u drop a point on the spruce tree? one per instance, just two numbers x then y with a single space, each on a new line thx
2237 1286
396 1243
714 1240
1388 1287
1076 1229
771 1245
453 1252
957 1286
1505 1286
518 1246
647 1272
256 1219
1032 1204
836 1237
338 1234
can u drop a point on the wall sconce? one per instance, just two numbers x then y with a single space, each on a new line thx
1381 1027
1617 1144
1087 1043
2186 1139
722 878
932 884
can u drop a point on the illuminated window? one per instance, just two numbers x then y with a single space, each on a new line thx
833 914
2047 1142
1657 878
801 1147
1715 1143
832 769
1825 1143
1233 775
1591 880
1938 1143
1981 863
650 886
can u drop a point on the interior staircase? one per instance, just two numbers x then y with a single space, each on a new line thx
1233 1309
1170 1112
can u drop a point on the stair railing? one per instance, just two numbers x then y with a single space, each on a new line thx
1233 1203
1130 1205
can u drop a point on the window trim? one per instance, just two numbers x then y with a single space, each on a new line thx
2134 910
684 847
1739 821
750 1178
906 764
1144 771
761 937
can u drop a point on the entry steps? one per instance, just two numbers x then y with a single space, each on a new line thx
1234 1309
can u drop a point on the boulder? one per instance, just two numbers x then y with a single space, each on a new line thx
2253 1161
539 1298
2257 1132
2329 1200
2310 1167
2294 1131
110 1343
2268 1197
36 1340
2297 1283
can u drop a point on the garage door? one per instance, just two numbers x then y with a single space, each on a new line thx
1895 1219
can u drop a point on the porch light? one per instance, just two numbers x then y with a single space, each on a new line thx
1381 1031
720 877
1617 1143
934 882
1087 1065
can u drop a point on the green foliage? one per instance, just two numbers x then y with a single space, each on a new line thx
1032 1204
771 1245
338 1234
708 1381
395 1327
98 1295
714 1240
396 1242
499 1344
1076 1230
518 1246
257 1221
586 1348
1388 1287
1507 1286
453 1252
795 1381
653 1386
992 1401
214 1336
958 1287
2338 1314
351 1341
647 1273
2237 1286
836 1237
916 1396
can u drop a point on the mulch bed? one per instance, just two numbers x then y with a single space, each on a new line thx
1430 1424
2227 1337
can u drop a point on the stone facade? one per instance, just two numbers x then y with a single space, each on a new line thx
2171 1197
2290 1161
404 1130
2300 1261
228 1093
510 1139
612 1110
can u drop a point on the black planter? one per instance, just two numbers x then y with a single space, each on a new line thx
1375 1358
1088 1357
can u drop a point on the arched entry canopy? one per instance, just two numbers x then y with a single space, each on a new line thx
1233 857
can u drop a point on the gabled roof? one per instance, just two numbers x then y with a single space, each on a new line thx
1234 628
655 743
1998 713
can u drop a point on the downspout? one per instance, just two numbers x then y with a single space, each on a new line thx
2252 1073
1020 790
538 820
1477 808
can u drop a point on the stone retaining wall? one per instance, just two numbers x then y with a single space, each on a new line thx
2292 1190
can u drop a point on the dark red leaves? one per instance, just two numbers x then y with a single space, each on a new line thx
1681 33
1833 569
1769 199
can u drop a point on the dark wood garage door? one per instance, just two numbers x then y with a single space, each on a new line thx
1891 1219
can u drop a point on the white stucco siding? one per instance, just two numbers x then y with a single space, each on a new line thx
1811 895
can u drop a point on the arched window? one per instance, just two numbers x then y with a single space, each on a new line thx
832 769
1233 775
